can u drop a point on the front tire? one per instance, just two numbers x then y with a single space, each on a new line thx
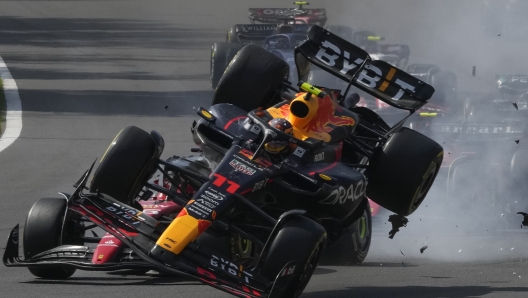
252 79
299 239
221 54
44 230
125 165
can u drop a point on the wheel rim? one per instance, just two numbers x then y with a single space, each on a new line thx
242 247
426 185
309 269
363 229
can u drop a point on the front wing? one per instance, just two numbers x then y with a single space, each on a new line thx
192 262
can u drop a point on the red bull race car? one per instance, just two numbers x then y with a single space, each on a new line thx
278 178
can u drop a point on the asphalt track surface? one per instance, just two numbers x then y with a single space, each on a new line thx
86 69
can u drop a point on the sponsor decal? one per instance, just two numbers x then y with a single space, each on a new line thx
213 194
259 185
207 203
209 200
260 161
516 78
370 76
155 206
202 207
220 195
285 11
125 213
108 243
319 157
196 212
247 162
491 129
342 195
229 267
256 28
299 151
255 129
241 167
288 271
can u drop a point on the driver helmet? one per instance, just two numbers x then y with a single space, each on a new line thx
278 146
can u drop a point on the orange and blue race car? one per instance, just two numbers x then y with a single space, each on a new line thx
280 179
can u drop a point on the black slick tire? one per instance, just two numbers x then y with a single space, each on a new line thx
221 55
43 231
252 79
401 174
299 239
125 165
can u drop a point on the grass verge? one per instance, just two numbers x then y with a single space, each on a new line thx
2 108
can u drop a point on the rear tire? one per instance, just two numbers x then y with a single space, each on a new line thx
221 54
299 239
43 231
402 173
125 165
252 79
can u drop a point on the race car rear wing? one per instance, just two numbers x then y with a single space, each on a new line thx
273 15
354 65
256 32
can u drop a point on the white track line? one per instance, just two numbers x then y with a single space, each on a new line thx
14 108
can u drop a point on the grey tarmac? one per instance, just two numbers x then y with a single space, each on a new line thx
86 69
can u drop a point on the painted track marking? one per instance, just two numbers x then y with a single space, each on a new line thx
13 108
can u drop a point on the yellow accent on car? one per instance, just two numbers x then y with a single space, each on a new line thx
207 114
391 73
424 114
325 177
179 234
384 86
374 38
309 88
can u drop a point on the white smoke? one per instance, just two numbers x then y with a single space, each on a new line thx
456 35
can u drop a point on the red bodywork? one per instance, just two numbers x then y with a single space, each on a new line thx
157 206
